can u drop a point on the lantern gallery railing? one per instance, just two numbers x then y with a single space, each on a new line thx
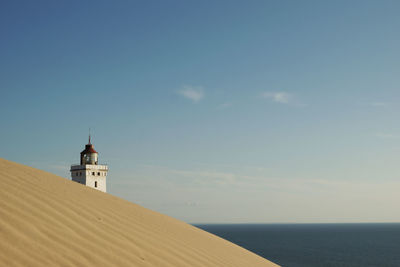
103 167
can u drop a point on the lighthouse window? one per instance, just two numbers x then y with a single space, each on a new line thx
95 183
98 174
93 173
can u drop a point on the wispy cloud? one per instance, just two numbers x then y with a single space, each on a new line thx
375 104
379 104
224 105
211 193
278 97
387 136
194 93
206 177
60 168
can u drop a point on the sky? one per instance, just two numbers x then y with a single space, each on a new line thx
212 111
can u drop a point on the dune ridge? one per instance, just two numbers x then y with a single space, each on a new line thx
46 220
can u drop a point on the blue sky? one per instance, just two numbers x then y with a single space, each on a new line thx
212 111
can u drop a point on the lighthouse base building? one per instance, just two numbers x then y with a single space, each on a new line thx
89 172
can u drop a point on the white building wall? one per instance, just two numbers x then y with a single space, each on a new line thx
101 182
79 176
89 175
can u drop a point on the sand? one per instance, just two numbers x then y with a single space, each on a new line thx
46 220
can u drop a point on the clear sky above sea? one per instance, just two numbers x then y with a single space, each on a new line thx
212 111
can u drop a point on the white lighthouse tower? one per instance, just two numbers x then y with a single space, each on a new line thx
89 172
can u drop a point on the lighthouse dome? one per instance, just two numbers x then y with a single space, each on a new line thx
89 155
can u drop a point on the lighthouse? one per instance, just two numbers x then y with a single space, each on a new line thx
89 172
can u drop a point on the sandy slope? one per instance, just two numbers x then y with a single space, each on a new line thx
46 220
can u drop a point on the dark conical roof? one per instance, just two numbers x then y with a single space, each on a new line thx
88 149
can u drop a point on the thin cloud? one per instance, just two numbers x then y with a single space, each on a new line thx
278 97
376 104
207 177
379 104
387 136
194 93
224 105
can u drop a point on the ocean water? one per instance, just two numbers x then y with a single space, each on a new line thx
317 244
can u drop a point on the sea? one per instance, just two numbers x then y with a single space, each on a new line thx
295 245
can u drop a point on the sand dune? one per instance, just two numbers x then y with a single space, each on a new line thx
46 220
